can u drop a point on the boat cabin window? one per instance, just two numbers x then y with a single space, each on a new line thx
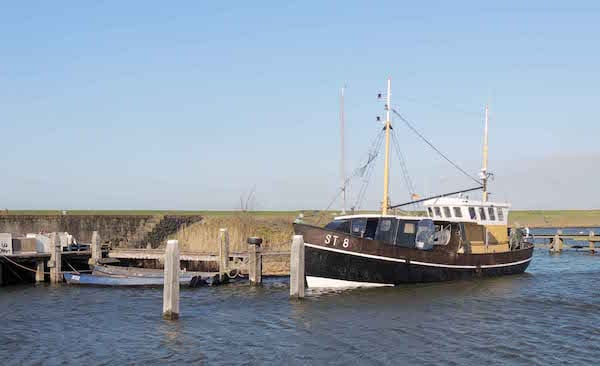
425 236
406 234
371 228
359 226
457 212
472 214
430 211
447 212
500 214
386 231
491 213
438 213
482 213
339 225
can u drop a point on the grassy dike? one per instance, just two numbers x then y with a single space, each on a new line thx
531 218
555 218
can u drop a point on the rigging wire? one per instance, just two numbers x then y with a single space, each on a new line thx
373 153
364 171
404 169
434 148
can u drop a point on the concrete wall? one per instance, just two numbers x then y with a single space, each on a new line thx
119 229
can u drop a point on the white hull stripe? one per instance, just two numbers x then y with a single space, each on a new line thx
323 282
356 253
415 262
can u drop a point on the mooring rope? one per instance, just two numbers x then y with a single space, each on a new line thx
35 271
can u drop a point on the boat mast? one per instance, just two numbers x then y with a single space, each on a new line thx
484 173
386 171
342 170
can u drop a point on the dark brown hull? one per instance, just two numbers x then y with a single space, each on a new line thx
342 257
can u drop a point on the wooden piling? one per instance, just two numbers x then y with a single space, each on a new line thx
592 243
556 243
297 267
254 261
560 240
55 263
171 283
223 251
96 247
39 272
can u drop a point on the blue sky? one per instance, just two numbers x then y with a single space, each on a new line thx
154 105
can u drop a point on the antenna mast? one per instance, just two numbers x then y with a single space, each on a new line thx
484 173
386 171
342 162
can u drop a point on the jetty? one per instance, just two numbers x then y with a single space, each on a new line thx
48 258
556 242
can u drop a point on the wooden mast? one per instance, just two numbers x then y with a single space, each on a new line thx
342 163
484 173
386 170
484 168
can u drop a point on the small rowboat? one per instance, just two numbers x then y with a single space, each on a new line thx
95 280
140 272
129 276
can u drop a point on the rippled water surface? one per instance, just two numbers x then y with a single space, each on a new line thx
550 315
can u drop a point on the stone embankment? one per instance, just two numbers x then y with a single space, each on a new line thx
132 231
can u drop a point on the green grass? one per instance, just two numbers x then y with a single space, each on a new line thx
146 212
555 218
531 218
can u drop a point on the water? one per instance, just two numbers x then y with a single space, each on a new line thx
550 315
565 231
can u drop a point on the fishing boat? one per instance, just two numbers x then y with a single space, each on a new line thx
459 238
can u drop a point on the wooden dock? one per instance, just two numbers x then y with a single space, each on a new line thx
556 242
17 264
22 267
184 255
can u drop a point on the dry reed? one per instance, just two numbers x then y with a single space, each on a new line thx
203 236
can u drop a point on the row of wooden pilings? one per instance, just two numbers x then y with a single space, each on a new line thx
172 268
557 242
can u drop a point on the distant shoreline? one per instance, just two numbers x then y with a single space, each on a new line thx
530 218
555 218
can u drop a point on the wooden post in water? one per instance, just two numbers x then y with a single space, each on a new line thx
171 284
39 272
297 267
560 240
55 263
556 243
223 251
254 261
96 249
592 244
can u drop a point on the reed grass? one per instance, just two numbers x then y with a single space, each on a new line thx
203 236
